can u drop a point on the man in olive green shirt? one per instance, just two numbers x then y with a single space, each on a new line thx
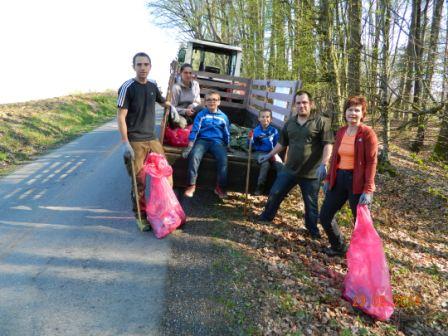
310 141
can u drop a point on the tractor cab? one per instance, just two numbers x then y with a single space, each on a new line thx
212 57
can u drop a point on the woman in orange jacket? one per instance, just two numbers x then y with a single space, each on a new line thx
352 171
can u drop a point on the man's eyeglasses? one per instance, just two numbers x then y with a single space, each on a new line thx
212 100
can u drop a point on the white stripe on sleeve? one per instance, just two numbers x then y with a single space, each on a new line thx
122 93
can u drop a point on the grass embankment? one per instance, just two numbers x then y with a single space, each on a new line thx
30 128
271 279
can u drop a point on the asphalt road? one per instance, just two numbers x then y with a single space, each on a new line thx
72 261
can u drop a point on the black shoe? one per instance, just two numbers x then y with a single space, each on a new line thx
331 252
262 219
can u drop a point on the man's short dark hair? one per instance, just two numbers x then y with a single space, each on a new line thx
140 54
265 110
302 92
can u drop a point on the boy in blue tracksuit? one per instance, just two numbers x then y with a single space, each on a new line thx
210 133
264 139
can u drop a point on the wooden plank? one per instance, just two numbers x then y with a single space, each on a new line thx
254 101
283 83
259 82
247 93
257 103
278 116
221 76
278 123
203 82
278 109
253 110
257 92
281 96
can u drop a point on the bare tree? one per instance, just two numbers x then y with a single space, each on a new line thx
424 78
384 78
329 59
323 42
354 47
441 147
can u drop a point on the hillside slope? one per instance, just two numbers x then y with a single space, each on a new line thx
30 128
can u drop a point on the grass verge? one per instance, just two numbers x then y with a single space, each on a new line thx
31 128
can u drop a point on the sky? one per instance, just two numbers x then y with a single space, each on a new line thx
51 48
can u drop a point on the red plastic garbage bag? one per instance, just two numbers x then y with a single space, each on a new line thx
367 283
163 210
177 137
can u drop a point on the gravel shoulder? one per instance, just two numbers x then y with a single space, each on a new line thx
205 289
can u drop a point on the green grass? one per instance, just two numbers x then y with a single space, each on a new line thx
286 303
344 216
387 167
435 272
437 193
27 129
419 161
346 332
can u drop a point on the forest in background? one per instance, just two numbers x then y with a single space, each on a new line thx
393 52
273 279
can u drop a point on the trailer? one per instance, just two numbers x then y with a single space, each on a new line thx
216 66
242 109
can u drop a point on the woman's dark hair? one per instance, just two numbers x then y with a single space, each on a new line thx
185 65
356 101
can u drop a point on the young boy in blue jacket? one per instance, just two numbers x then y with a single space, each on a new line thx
264 139
210 133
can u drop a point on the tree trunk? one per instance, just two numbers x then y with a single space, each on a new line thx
295 40
329 60
445 62
212 21
424 84
417 143
340 55
385 30
410 59
433 43
272 46
354 47
441 147
259 41
281 58
373 84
